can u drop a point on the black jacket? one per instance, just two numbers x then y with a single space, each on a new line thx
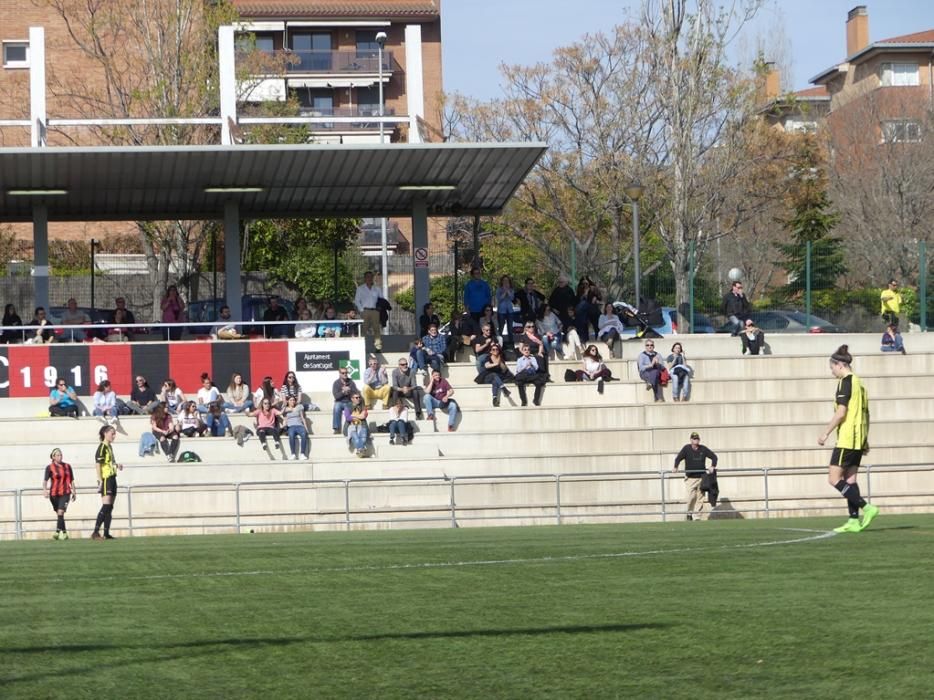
738 306
695 460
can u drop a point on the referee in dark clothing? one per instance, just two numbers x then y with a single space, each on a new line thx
695 456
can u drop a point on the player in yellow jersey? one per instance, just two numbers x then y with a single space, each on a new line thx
107 469
851 421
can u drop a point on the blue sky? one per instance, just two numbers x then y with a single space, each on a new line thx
479 35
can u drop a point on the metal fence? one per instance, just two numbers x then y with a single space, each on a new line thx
454 501
848 305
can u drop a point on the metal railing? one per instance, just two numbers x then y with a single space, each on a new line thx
446 508
328 61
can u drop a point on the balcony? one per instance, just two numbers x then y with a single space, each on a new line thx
345 113
335 62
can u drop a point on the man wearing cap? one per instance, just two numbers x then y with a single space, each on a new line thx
694 455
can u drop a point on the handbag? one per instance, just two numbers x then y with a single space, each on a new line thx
664 377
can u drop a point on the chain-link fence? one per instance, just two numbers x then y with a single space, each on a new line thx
780 301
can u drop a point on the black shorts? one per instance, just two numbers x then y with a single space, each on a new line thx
109 486
60 502
842 457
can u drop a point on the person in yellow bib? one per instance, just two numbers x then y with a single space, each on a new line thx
891 303
851 421
107 469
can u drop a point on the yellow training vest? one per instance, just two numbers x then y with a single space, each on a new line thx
853 432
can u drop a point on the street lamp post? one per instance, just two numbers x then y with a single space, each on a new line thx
384 256
634 192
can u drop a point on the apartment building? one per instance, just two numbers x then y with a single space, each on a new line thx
885 88
330 69
331 56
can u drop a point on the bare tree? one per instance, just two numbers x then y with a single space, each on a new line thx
882 182
655 101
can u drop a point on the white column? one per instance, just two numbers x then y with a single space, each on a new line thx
37 116
232 290
227 76
414 79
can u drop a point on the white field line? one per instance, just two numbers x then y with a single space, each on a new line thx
814 536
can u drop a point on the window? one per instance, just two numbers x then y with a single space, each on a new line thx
901 131
313 50
16 54
900 74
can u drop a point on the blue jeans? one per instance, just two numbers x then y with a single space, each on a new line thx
505 321
553 344
358 435
481 360
417 358
218 425
338 413
431 404
498 384
245 406
112 412
298 434
423 358
680 387
398 427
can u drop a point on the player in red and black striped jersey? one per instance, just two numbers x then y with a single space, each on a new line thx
59 487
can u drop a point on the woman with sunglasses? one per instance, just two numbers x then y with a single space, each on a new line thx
63 401
650 370
752 338
593 368
291 388
496 373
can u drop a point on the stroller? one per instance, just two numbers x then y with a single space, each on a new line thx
648 314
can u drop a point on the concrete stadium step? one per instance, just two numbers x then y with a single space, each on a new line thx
729 410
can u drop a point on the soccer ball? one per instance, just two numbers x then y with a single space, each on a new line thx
735 274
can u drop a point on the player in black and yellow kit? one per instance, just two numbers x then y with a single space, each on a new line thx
59 487
851 420
107 469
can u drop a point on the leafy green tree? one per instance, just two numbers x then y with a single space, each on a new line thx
299 253
441 293
812 221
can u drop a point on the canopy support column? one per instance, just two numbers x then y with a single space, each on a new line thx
40 257
420 253
232 290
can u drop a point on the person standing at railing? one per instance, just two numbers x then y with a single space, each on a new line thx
891 300
695 456
366 299
851 421
59 487
275 312
45 334
73 316
10 320
173 311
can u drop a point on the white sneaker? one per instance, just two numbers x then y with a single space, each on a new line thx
295 457
308 457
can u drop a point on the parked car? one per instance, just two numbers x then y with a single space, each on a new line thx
788 321
670 322
252 306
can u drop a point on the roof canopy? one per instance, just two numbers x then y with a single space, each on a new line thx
277 181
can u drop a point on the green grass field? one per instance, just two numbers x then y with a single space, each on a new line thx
725 609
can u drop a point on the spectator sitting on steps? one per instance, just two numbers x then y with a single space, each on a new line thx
650 370
892 340
405 386
529 372
496 373
342 389
593 368
439 394
376 383
63 401
752 338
